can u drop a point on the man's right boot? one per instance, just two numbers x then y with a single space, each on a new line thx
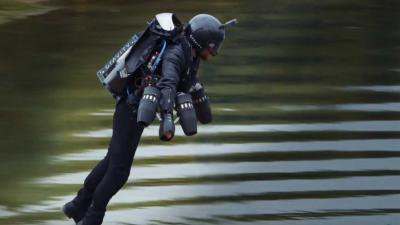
71 210
76 209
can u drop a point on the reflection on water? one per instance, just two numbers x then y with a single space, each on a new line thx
214 150
371 107
209 169
378 88
152 131
306 125
6 213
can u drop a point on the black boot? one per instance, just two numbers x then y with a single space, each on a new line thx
93 216
76 209
72 211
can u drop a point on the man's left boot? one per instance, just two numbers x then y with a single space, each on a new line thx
93 216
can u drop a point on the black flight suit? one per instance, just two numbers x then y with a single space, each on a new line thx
178 71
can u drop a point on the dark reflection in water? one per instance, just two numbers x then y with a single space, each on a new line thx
306 102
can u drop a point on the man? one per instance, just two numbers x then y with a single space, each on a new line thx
202 39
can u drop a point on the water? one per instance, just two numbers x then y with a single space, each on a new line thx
306 102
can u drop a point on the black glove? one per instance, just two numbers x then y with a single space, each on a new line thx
167 127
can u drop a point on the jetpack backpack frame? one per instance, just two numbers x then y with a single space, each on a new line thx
164 28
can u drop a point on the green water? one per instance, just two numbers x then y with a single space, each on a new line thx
306 105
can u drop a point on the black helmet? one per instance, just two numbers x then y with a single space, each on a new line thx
206 31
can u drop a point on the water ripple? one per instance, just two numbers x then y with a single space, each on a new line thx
203 169
379 125
153 151
377 88
362 107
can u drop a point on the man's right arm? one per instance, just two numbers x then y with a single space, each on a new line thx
172 66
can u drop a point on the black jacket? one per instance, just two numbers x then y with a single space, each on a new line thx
178 72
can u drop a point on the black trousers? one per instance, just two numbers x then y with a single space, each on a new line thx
112 172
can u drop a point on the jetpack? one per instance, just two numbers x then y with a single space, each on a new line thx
126 62
139 58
